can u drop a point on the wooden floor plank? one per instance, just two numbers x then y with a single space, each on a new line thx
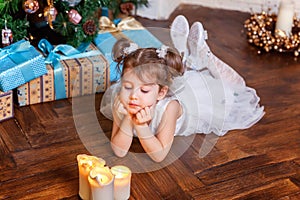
282 189
41 160
48 185
6 160
247 182
143 189
166 183
13 136
28 120
181 174
248 166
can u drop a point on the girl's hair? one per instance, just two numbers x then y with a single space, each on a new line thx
146 63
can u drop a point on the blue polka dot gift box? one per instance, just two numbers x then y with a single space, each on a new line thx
20 62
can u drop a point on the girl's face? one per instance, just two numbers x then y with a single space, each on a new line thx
136 94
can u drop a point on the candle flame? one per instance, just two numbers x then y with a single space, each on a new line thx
89 162
101 179
102 175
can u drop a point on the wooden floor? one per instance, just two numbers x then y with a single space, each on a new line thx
38 147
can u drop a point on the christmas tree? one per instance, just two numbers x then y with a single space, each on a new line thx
60 21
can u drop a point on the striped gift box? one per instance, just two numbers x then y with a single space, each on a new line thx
82 76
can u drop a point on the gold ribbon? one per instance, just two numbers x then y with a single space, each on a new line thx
128 23
49 13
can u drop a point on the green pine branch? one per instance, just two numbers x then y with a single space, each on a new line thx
18 26
9 6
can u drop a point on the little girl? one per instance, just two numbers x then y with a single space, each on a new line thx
157 99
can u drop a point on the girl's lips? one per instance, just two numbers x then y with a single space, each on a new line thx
133 105
133 108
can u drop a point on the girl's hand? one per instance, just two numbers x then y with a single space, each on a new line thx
144 116
119 107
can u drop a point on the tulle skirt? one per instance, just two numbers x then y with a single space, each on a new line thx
213 105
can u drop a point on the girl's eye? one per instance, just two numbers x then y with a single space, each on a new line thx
144 90
127 87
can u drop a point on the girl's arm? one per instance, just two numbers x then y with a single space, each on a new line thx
158 145
121 137
122 130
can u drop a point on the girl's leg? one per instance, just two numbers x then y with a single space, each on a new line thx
201 57
221 70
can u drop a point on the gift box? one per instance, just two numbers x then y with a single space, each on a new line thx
74 75
20 63
6 105
127 28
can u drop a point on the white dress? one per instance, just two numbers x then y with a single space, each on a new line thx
209 105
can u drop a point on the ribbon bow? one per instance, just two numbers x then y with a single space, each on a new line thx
128 23
13 50
53 57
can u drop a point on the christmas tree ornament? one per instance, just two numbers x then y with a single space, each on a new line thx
127 8
72 3
74 16
89 27
50 14
7 36
30 6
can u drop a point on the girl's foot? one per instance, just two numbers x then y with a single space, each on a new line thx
198 49
179 33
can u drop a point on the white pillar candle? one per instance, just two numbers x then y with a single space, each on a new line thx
85 164
101 181
285 17
122 182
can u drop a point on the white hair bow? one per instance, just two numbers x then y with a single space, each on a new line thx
161 53
132 47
